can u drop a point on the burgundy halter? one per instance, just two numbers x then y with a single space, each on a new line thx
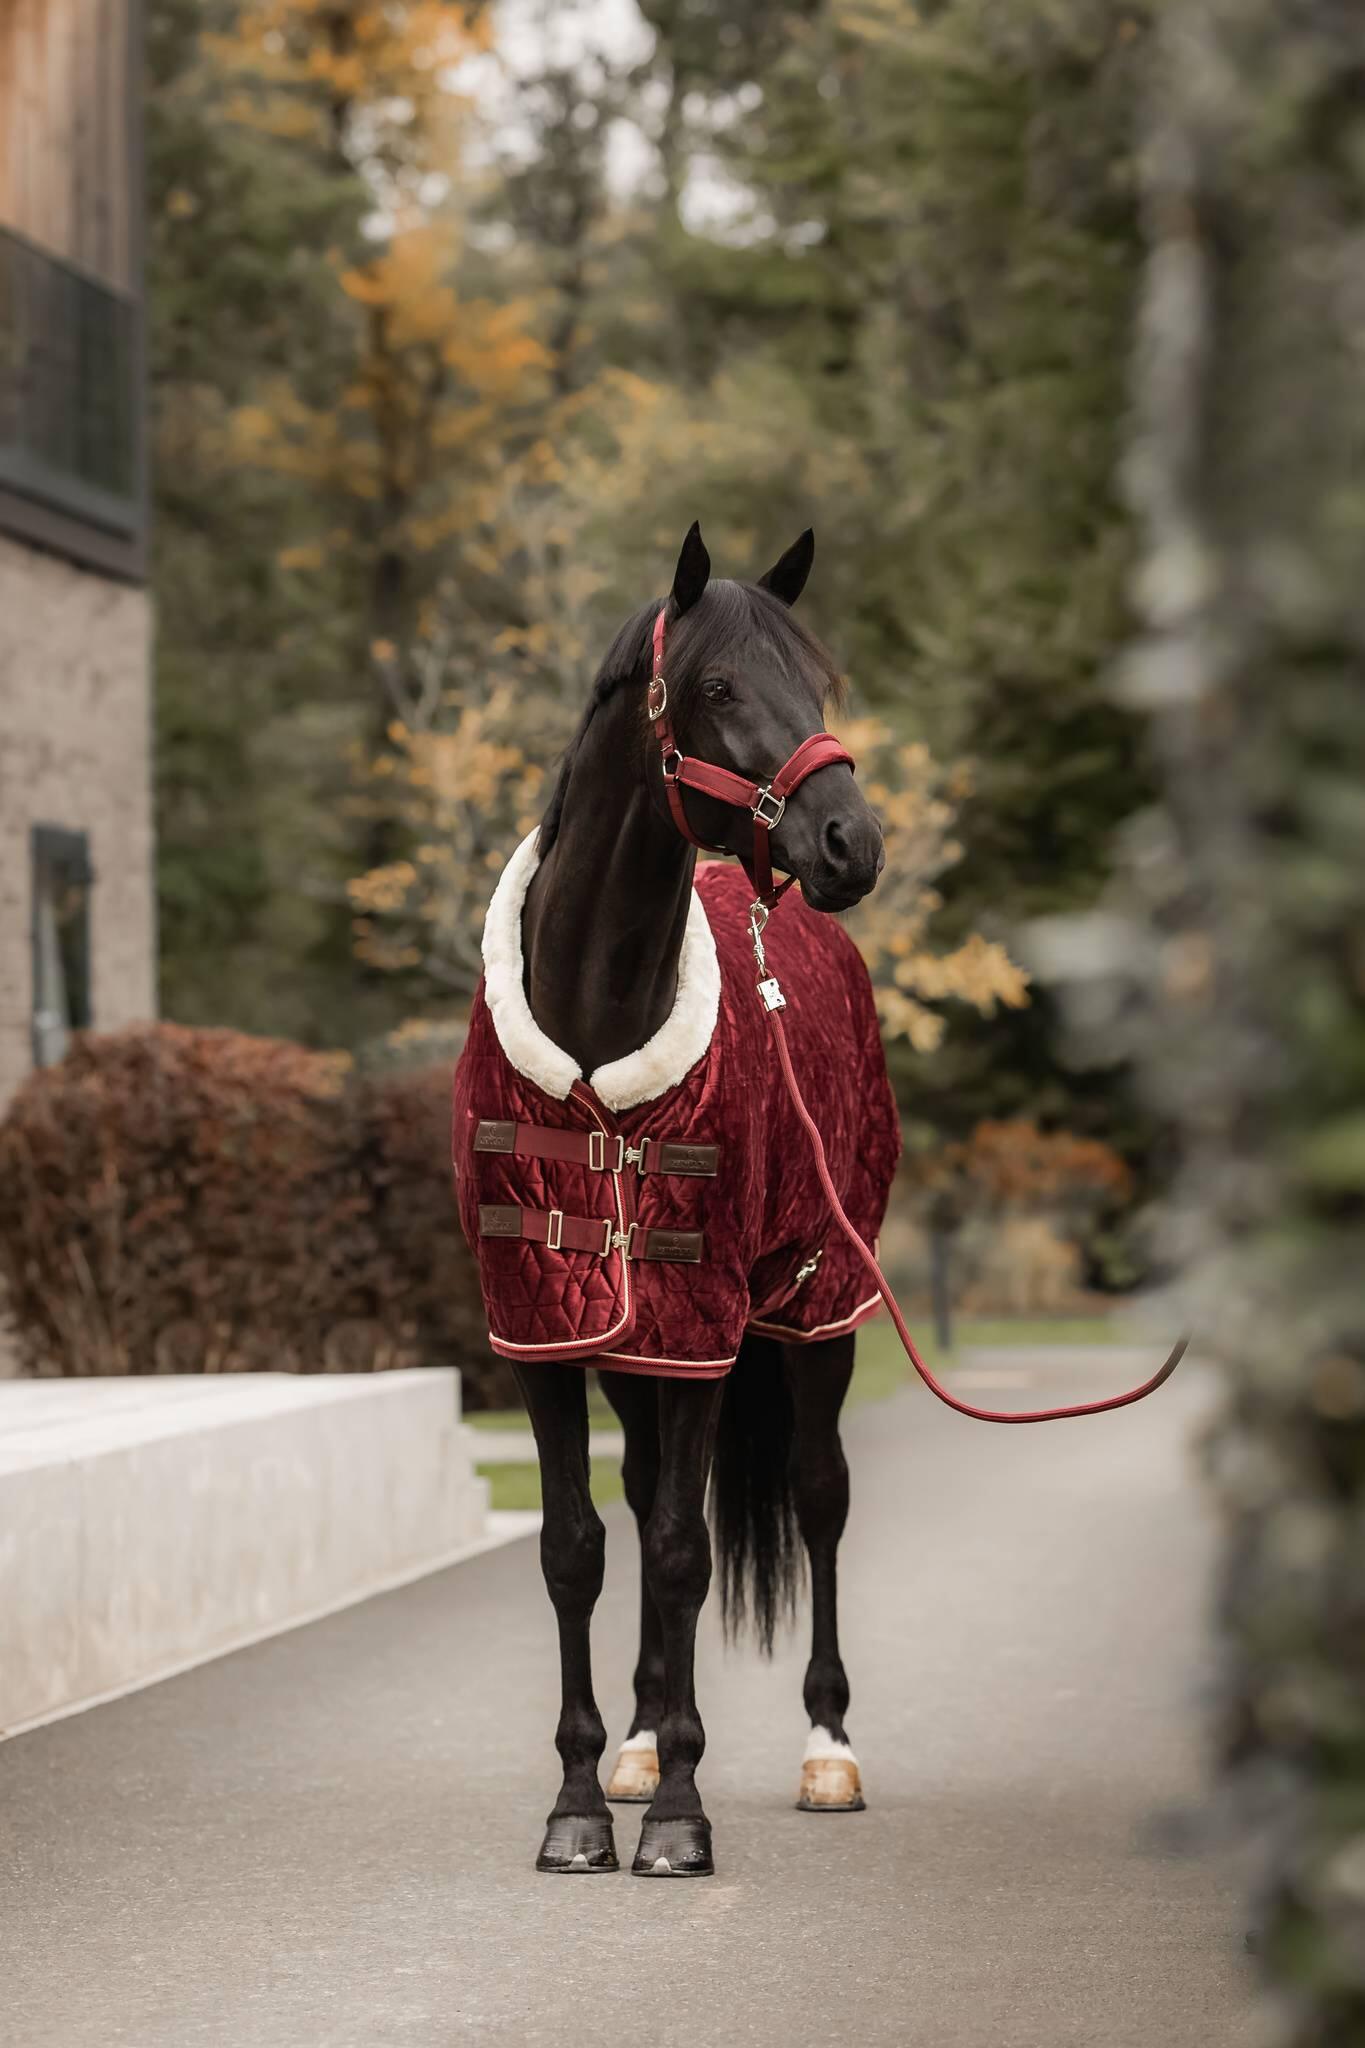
766 801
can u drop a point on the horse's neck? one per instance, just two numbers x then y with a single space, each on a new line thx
605 915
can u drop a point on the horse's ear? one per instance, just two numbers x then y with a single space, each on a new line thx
787 577
693 572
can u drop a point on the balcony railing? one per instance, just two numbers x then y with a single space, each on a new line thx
70 415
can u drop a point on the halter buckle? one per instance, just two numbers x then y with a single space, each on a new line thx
767 795
657 701
674 756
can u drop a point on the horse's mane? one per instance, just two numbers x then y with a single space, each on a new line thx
725 615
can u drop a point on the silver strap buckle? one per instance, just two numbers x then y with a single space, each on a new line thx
554 1231
767 795
597 1153
623 1240
635 1154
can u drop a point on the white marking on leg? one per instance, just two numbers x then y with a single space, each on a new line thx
646 1739
820 1745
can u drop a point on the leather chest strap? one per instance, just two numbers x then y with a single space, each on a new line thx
598 1152
559 1232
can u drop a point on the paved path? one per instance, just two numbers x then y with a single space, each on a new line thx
325 1841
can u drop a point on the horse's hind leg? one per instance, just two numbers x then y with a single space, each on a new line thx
818 1376
578 1834
675 1836
635 1398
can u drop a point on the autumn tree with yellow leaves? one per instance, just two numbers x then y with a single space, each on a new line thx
337 401
403 461
917 802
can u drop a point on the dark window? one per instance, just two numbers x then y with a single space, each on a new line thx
61 939
68 389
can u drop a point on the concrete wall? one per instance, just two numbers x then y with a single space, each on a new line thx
149 1523
75 751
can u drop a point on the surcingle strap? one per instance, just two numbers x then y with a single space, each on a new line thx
558 1232
597 1151
592 1149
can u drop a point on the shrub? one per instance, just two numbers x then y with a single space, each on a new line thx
1027 1209
201 1201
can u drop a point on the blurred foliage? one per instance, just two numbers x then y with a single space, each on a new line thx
1037 1217
917 803
1235 950
1016 1166
437 391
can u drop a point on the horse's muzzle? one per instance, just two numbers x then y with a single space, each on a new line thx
834 849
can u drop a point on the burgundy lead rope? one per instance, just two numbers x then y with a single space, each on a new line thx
767 801
879 1279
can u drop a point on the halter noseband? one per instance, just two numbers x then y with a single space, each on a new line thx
765 801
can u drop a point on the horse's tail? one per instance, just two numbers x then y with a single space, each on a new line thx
753 1506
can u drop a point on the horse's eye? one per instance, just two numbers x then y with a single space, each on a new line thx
716 690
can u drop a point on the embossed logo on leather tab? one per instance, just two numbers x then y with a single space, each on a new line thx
682 1246
702 1161
495 1137
498 1221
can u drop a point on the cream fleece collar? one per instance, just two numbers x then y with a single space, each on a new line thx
640 1076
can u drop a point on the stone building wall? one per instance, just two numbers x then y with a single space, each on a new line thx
75 752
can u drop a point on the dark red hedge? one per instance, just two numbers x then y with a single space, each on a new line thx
201 1201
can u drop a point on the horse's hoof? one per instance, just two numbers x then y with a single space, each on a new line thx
830 1784
636 1777
674 1848
573 1844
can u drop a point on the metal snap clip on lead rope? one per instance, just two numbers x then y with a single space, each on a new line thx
770 993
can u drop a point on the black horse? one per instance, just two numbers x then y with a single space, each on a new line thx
601 932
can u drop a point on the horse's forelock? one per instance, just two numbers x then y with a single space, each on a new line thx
731 614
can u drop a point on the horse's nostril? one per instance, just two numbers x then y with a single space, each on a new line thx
836 841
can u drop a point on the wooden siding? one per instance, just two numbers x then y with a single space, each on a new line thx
66 166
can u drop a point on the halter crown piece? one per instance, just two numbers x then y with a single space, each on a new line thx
765 801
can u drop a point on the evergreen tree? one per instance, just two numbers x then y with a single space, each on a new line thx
1249 468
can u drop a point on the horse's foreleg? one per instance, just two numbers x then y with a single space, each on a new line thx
675 1838
818 1376
578 1834
635 1399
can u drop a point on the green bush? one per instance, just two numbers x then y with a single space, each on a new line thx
202 1201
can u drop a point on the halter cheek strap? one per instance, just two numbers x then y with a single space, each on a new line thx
765 801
